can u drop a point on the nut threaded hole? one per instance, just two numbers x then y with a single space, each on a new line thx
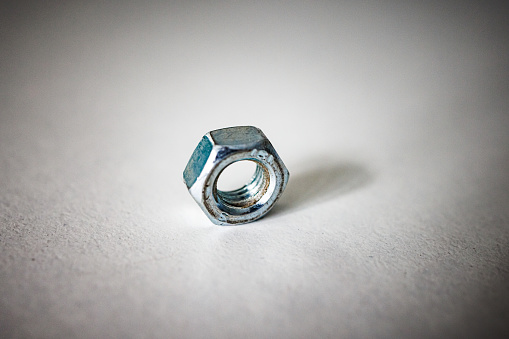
250 193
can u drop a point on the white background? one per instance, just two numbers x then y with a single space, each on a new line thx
392 119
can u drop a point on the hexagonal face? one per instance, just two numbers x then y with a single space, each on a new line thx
238 137
197 162
217 150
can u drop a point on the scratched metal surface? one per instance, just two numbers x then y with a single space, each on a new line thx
392 119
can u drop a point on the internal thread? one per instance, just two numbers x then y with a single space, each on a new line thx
248 194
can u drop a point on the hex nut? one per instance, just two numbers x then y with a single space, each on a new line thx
221 148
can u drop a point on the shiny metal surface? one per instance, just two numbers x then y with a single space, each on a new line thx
217 150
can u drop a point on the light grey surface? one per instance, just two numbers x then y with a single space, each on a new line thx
402 232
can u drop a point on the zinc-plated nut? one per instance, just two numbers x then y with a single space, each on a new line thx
221 148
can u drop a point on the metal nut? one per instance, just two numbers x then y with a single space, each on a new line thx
219 149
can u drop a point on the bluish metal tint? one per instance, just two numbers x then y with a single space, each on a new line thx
221 148
197 161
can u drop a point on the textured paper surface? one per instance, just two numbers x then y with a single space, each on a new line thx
392 119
